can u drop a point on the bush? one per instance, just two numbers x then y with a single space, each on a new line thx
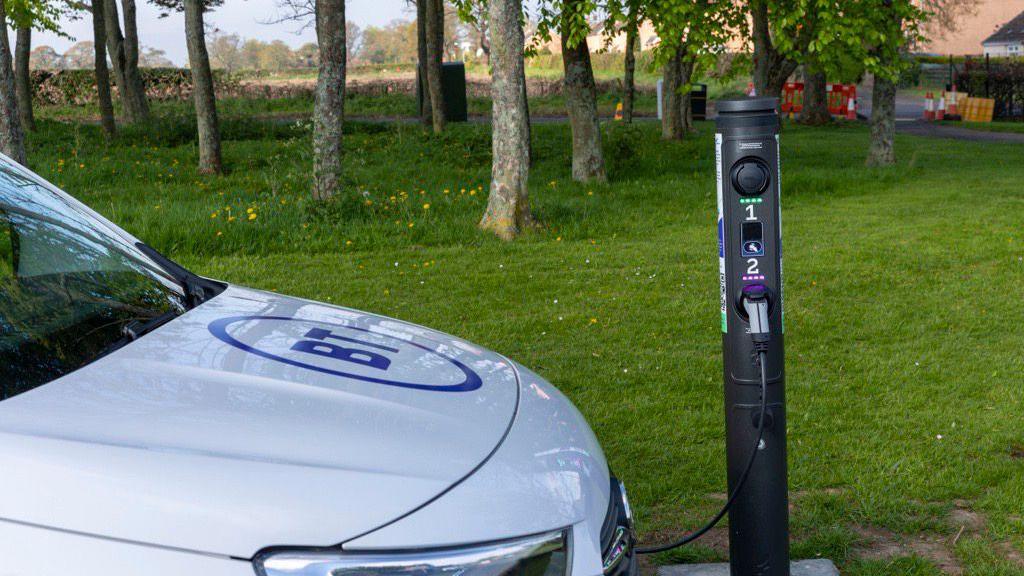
78 87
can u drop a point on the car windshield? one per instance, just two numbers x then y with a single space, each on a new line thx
71 287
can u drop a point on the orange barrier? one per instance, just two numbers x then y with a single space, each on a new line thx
618 111
792 98
842 99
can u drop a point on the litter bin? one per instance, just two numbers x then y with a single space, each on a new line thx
699 101
453 89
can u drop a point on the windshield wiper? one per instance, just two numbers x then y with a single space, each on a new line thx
135 329
196 288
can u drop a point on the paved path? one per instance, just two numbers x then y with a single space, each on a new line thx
940 130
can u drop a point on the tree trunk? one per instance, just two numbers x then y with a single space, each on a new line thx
102 74
329 109
508 207
12 138
435 48
815 100
22 78
135 89
202 89
685 75
671 124
771 69
629 74
581 100
421 60
883 123
115 43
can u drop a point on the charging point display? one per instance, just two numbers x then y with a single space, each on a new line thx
750 268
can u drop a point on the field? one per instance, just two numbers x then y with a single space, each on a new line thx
903 316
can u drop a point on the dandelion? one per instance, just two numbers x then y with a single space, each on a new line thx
348 242
252 216
249 210
590 192
219 233
214 215
472 192
411 224
231 218
593 320
426 206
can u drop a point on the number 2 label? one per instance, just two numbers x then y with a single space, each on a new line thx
752 266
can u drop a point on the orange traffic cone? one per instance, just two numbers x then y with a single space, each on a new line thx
929 107
751 91
953 110
618 111
851 109
940 114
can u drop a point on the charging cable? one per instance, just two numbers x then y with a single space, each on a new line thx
755 303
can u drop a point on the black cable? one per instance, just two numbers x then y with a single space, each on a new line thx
762 358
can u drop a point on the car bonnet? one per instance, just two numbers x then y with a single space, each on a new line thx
254 420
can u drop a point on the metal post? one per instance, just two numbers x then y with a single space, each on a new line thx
750 254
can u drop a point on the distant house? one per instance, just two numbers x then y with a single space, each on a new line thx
1008 40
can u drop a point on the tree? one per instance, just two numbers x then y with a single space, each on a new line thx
203 89
892 26
100 63
80 56
45 58
435 46
815 112
226 52
353 37
508 208
124 55
22 78
154 58
329 106
421 61
24 16
12 139
693 35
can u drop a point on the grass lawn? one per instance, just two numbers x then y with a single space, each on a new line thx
1013 127
903 310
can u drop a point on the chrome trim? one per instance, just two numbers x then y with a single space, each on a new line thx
618 550
480 560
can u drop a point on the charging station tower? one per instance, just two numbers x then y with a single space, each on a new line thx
750 266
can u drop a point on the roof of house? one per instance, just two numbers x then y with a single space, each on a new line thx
1012 31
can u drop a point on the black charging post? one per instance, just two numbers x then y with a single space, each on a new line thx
750 267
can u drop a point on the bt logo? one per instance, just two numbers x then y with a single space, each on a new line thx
351 352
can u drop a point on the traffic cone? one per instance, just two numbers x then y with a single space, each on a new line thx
851 109
929 107
953 109
940 114
618 111
751 91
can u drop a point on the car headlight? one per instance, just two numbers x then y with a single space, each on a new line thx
542 555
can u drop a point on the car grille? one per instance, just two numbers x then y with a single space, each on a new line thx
617 536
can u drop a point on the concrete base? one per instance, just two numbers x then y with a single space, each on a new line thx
819 567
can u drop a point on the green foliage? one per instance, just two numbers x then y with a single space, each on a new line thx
845 38
39 14
702 27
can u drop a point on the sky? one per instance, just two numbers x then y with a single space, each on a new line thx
242 17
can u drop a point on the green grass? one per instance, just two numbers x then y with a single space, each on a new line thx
903 321
1010 127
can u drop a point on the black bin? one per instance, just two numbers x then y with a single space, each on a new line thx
453 87
699 101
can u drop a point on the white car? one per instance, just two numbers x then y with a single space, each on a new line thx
156 423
